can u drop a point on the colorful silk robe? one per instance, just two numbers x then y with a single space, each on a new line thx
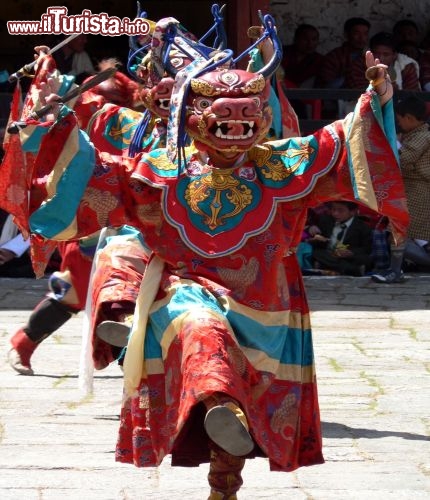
230 314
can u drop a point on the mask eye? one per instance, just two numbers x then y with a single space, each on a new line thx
257 101
202 104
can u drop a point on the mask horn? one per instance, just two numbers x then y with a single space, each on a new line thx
269 32
220 42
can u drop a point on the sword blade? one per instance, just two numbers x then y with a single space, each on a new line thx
27 68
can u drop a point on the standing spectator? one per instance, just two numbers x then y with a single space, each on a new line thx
342 242
301 63
403 70
415 165
337 63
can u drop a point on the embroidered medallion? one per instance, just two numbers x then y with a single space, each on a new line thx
217 197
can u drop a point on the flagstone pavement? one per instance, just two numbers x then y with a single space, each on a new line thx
372 352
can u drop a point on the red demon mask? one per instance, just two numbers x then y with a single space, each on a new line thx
157 98
228 110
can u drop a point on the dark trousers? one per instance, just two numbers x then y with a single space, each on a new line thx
349 267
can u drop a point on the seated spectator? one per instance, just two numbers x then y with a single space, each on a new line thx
300 64
403 70
407 40
15 259
342 242
337 63
414 153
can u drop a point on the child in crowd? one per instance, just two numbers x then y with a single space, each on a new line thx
414 153
342 242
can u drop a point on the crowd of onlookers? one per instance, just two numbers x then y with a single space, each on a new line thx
406 54
364 246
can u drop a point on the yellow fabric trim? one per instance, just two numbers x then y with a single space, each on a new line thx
360 166
268 318
262 362
134 367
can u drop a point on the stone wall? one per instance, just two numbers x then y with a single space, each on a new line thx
329 15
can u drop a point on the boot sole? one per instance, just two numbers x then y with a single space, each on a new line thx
113 333
228 432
